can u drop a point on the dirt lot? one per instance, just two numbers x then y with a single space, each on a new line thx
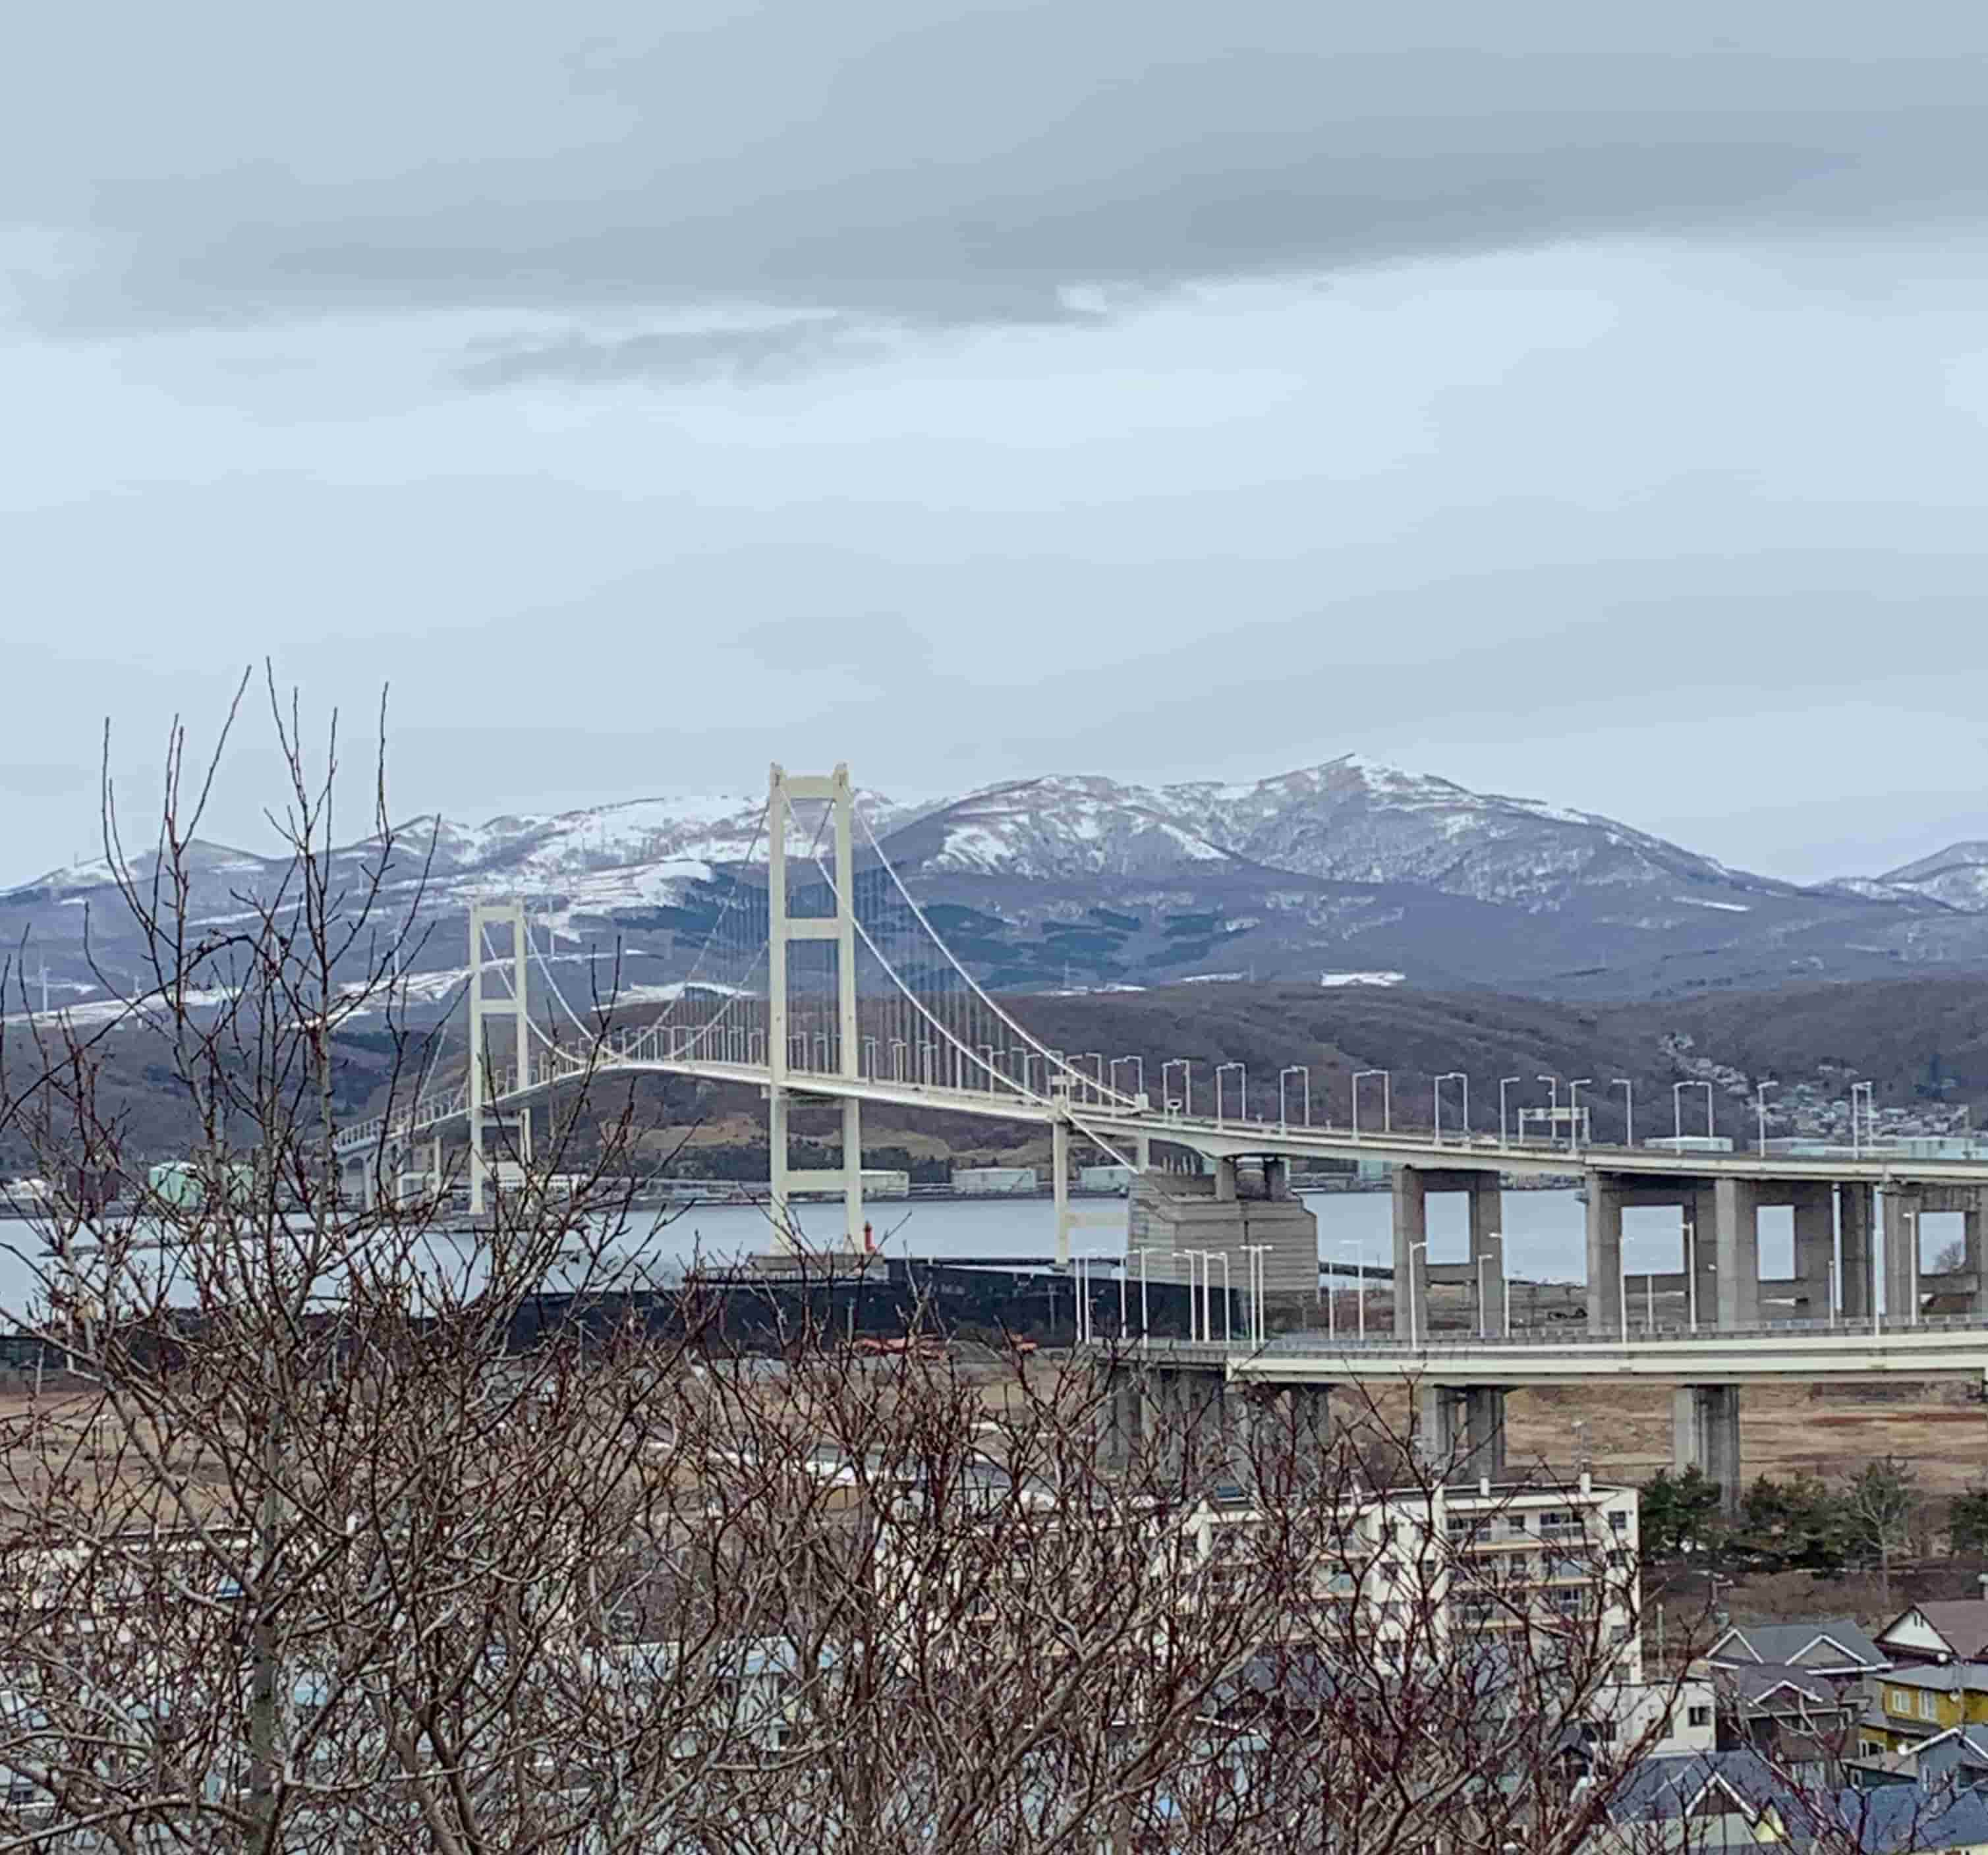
1831 1430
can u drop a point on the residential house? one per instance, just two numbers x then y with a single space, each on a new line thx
1835 1646
1797 1690
1914 1704
1937 1633
1739 1800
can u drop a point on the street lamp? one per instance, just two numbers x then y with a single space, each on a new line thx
1573 1113
1677 1107
1186 1097
1207 1292
1243 1090
1387 1105
1259 1290
1911 1221
1303 1074
1228 1300
1628 1089
1760 1108
1138 1067
1553 1104
1193 1326
1504 1082
1145 1324
1691 1271
1455 1076
1106 1257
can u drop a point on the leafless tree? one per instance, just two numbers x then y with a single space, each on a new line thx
309 1549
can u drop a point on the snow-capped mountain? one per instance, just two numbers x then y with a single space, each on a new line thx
1351 820
1957 876
1349 865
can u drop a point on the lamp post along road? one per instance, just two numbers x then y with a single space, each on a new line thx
1458 1076
1573 1113
1242 1092
1911 1223
1259 1291
1504 1082
1760 1108
1303 1074
1552 1104
1628 1089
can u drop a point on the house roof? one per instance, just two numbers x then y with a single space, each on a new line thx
1827 1643
1778 1688
1961 1621
1970 1744
1949 1678
1899 1817
1890 1821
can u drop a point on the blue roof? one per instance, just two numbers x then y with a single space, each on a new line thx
1892 1819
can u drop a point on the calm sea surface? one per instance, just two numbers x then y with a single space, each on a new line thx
1544 1235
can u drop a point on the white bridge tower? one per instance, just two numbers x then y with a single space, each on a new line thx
782 929
486 1081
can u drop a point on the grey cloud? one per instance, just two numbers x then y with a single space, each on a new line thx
904 166
737 355
742 356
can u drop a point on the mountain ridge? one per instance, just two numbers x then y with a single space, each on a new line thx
1350 865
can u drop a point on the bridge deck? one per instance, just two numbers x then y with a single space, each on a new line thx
1947 1347
1212 1137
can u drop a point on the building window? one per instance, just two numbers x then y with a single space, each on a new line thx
1928 1710
1697 1716
1898 1701
1619 1522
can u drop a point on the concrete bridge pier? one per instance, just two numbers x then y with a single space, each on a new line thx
1907 1275
1125 1414
1902 1291
1719 1241
1311 1415
1736 1244
1705 1435
1463 1429
1481 1274
1815 1249
1857 1214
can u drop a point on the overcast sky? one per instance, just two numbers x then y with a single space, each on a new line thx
1585 402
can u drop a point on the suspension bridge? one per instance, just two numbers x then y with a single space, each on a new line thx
816 975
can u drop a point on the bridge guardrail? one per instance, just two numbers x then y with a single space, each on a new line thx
1301 1345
